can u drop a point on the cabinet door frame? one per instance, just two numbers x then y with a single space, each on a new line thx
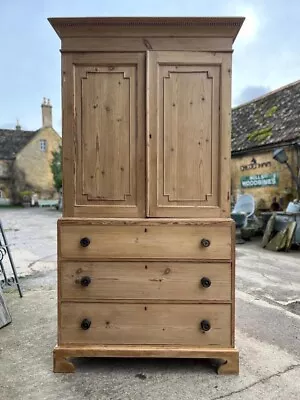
223 61
71 63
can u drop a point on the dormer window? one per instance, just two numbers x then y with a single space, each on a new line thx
43 145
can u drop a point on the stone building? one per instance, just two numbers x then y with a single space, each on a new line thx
25 158
258 128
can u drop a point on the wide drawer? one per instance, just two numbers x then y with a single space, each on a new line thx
148 281
94 242
115 323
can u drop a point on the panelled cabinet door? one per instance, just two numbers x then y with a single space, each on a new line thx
109 135
188 135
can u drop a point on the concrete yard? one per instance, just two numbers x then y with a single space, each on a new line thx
267 320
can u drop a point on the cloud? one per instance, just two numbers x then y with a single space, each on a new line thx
251 92
251 26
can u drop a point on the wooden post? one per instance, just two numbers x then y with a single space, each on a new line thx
5 317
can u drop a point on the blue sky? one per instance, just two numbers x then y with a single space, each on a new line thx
266 53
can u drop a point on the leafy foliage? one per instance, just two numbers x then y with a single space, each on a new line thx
56 168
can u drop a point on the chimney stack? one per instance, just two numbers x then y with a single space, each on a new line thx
18 126
47 113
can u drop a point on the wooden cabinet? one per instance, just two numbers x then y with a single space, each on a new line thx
146 245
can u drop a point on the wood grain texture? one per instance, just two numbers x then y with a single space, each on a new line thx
145 242
110 181
200 222
149 26
59 282
146 324
152 43
145 281
110 161
69 147
63 353
188 141
225 136
108 113
233 278
149 104
185 173
231 365
61 363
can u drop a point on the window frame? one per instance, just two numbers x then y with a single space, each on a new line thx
43 145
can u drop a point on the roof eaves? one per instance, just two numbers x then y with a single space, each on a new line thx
265 147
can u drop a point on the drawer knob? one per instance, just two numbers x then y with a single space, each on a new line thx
205 282
84 242
205 325
85 281
85 324
205 242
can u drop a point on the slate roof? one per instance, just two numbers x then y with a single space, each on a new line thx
12 142
267 121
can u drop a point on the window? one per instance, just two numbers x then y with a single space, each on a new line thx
43 145
1 194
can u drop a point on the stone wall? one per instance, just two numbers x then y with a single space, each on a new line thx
244 165
34 164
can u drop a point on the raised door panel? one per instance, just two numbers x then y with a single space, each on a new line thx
110 135
187 171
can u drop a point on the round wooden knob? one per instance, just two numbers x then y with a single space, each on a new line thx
205 242
85 281
205 282
85 324
205 325
84 242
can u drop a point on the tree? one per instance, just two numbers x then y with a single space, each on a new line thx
56 168
18 185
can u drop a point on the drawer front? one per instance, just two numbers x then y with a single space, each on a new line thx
177 324
149 281
93 242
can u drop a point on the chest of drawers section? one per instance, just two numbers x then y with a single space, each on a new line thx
136 283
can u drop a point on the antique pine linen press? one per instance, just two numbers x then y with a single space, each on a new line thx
146 261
